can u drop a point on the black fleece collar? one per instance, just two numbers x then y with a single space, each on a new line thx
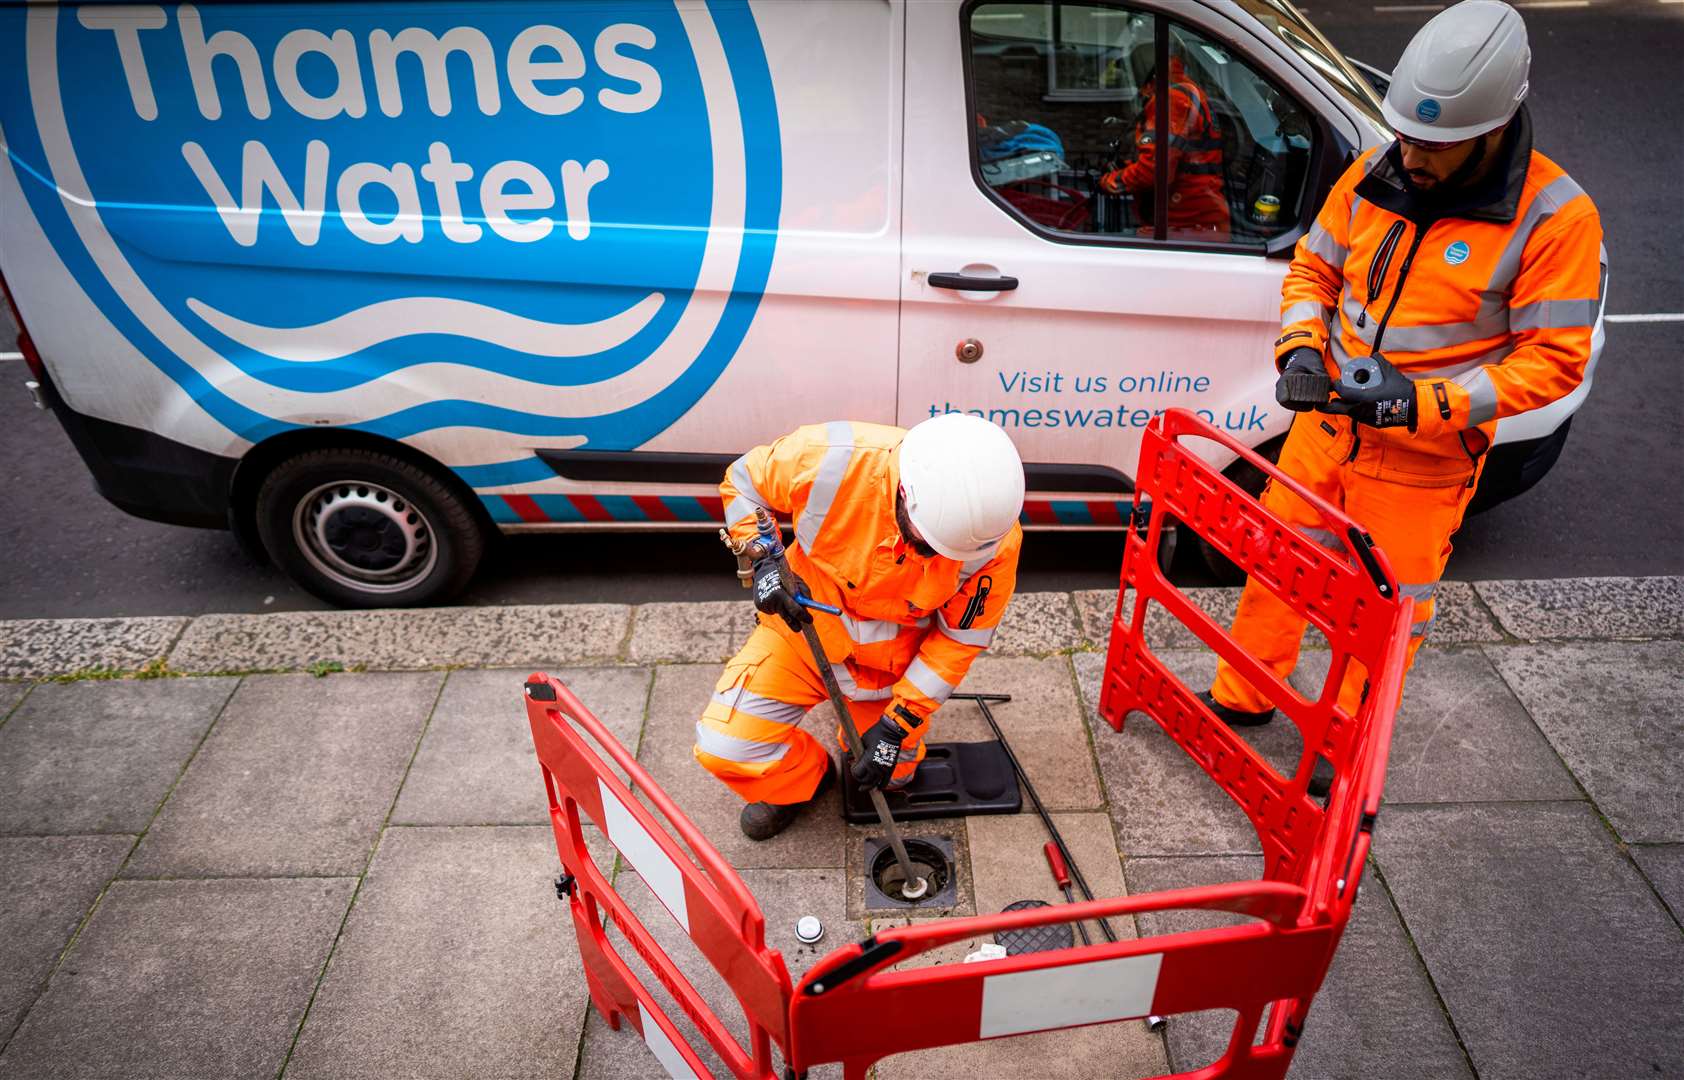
1494 198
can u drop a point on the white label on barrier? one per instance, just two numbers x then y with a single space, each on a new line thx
663 1049
1066 996
658 871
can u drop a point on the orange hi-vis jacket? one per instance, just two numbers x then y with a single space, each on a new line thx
910 625
1488 303
1196 198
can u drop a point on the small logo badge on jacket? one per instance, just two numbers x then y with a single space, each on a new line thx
1457 253
1427 111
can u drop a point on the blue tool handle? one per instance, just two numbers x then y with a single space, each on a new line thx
809 602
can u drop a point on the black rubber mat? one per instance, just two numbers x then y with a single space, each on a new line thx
953 780
1034 938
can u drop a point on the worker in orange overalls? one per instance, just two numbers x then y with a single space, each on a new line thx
1451 279
914 535
1197 205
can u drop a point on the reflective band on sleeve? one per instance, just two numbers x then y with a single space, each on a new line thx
743 751
1045 998
851 689
1327 538
1455 371
873 631
744 701
658 871
980 638
1320 243
1482 396
655 1037
828 480
1304 311
741 507
931 685
746 492
1419 593
1553 315
1555 194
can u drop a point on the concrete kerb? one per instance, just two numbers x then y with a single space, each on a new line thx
1037 624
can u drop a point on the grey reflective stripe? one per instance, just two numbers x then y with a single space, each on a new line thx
1465 367
931 685
1553 315
748 496
872 631
1555 194
1417 630
731 748
1327 538
1419 593
1320 243
1482 396
1303 311
1337 348
851 689
1400 338
1353 311
907 755
840 435
980 638
743 701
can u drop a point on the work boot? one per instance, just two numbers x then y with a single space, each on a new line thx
1234 717
764 820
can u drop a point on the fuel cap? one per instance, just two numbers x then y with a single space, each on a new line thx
808 930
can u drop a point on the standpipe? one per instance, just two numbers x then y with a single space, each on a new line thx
770 545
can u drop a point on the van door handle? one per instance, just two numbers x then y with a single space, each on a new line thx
967 283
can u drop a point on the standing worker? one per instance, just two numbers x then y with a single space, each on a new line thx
1198 207
1476 264
914 535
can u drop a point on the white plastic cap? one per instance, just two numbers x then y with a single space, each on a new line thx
808 929
1463 74
963 481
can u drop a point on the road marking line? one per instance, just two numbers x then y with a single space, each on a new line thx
11 356
1659 316
1546 4
1401 8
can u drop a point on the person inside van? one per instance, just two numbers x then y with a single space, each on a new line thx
1198 206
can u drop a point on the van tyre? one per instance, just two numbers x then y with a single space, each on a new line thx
360 528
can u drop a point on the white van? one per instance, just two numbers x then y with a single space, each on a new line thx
367 281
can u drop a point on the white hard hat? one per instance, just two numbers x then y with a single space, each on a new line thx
963 484
1463 74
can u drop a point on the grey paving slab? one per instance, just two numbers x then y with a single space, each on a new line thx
784 896
1612 711
47 887
176 979
297 778
1664 865
708 631
100 755
1037 623
10 694
457 960
1043 723
33 648
476 765
1551 952
411 639
1163 631
677 699
1592 607
1161 801
1375 1016
1460 736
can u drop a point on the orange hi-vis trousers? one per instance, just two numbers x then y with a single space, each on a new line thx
750 733
1409 505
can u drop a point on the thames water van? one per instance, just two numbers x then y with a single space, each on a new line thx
369 281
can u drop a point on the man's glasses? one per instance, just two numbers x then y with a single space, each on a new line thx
1430 147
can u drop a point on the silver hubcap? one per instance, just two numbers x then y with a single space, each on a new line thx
364 536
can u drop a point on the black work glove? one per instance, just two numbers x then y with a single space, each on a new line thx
1382 397
1303 384
771 597
881 743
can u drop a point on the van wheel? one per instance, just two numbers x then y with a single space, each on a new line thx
364 529
1251 480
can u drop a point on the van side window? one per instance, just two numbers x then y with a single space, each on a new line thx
1064 101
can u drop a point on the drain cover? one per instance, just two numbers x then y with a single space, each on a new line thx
931 858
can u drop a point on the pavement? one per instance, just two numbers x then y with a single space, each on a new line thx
314 844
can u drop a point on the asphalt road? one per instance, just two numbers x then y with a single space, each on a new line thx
1605 101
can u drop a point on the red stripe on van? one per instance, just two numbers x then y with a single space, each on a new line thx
588 506
527 509
1105 513
1040 513
654 507
714 505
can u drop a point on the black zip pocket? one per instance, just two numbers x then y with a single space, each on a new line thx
979 599
1377 269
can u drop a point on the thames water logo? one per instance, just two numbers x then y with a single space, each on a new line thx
544 219
1427 111
1457 253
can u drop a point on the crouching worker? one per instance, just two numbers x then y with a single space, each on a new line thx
914 535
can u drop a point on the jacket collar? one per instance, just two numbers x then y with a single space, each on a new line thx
1494 198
